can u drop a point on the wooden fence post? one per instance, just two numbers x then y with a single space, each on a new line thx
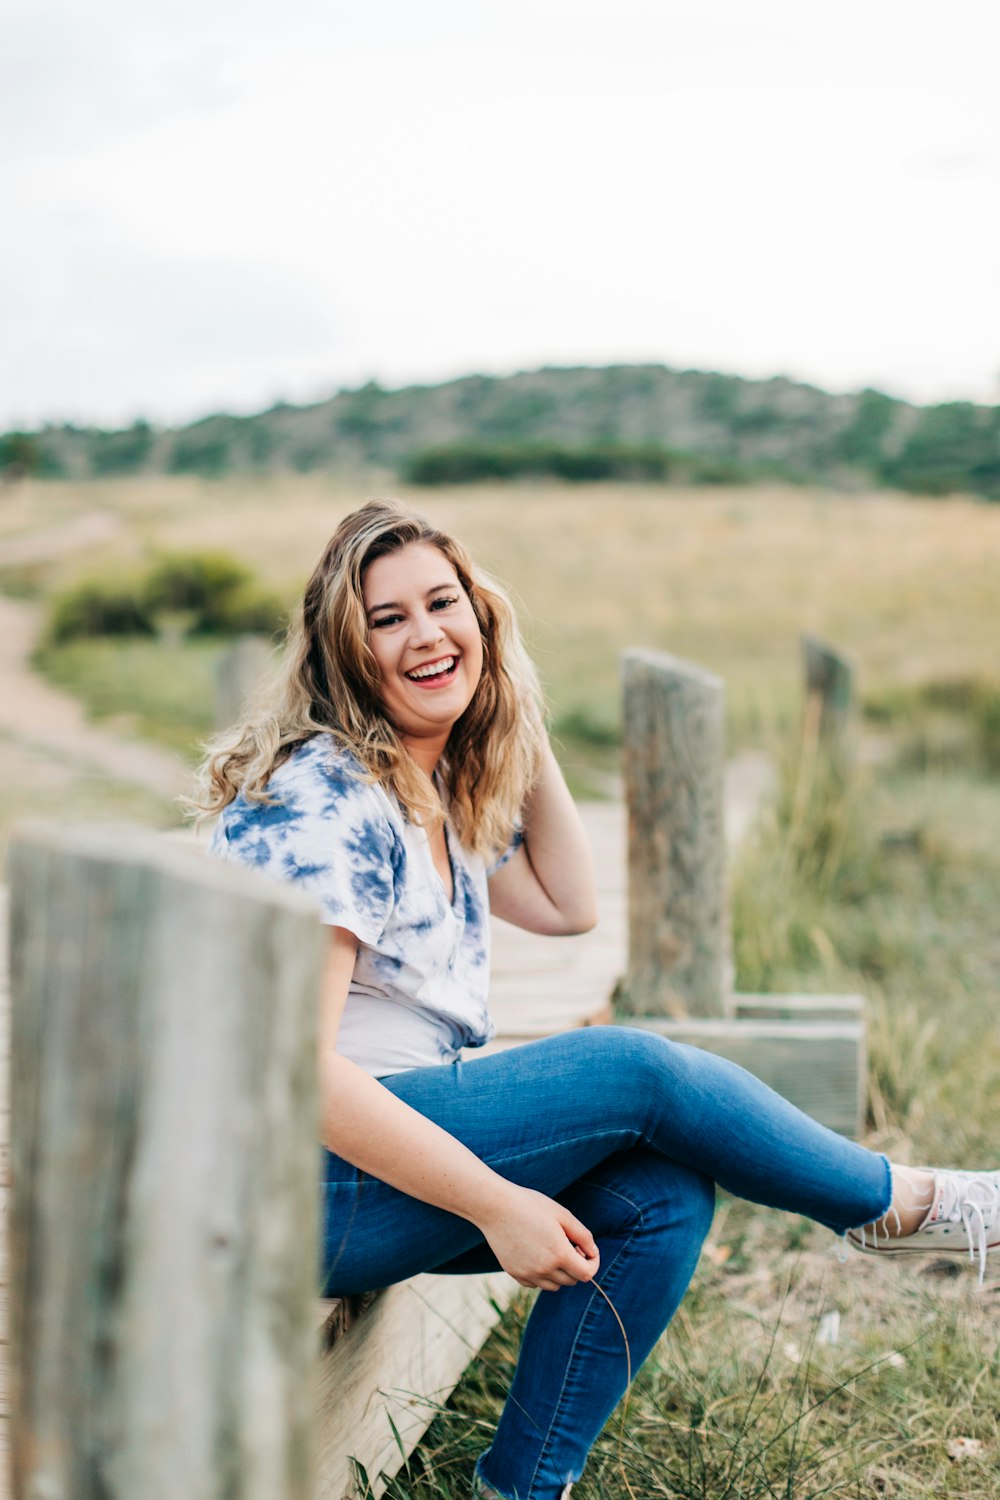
829 696
674 763
164 1242
238 675
679 979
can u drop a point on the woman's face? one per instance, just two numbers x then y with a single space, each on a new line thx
425 638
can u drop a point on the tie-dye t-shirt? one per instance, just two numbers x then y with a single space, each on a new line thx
419 990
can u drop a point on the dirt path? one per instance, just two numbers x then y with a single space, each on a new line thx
40 721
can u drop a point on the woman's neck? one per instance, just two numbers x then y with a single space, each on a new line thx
426 752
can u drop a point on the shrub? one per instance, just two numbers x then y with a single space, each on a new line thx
466 463
581 724
122 452
193 581
244 610
955 446
187 593
23 453
861 442
986 716
99 607
199 452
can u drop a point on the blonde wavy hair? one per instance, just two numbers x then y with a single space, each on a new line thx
328 683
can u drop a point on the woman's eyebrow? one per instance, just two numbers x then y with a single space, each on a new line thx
438 588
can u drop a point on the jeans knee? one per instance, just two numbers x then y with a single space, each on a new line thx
650 1067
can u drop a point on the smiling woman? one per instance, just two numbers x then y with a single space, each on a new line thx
402 774
426 643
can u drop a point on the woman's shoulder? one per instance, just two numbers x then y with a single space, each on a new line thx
324 764
321 779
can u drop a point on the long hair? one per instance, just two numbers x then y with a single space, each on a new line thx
328 682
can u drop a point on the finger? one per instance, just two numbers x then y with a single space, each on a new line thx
581 1269
581 1237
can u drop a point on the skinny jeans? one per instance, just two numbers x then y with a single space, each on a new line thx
632 1133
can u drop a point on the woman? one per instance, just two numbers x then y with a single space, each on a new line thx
404 776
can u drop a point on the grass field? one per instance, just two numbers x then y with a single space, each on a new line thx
729 578
887 886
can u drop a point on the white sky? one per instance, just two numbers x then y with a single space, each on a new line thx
214 204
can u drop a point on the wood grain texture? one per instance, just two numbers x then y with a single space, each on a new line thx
678 914
398 1365
163 1228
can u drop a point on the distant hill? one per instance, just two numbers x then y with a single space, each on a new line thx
630 421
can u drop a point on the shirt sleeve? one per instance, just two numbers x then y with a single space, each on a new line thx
516 841
328 833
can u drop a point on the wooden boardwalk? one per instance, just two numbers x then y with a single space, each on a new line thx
540 986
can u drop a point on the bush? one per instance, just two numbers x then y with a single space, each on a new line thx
99 607
580 724
193 581
955 446
24 453
122 452
187 593
199 452
466 463
986 717
862 440
244 610
943 723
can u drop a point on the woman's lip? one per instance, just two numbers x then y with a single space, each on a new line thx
440 679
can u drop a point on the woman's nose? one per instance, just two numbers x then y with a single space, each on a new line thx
426 629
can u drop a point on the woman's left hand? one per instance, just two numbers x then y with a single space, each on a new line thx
537 1240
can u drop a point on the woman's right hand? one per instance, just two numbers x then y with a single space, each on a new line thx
538 1241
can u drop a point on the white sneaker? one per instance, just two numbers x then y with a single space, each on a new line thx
964 1216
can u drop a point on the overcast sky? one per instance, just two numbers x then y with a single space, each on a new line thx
214 204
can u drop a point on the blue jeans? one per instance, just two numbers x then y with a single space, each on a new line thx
631 1133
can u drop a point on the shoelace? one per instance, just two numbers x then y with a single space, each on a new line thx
964 1198
973 1202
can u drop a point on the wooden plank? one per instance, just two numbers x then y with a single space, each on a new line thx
164 1214
798 1008
819 1066
401 1361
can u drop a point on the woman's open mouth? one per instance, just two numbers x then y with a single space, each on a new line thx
433 673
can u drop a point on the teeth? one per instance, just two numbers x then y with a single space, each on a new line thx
435 669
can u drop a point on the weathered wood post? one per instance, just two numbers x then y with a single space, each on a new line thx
829 696
164 1242
678 981
238 675
674 764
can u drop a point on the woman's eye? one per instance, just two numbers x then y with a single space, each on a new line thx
443 602
384 620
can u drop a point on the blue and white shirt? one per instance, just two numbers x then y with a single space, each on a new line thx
419 990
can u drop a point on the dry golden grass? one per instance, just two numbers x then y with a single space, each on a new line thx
728 577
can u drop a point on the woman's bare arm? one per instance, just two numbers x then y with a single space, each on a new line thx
538 1241
548 885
